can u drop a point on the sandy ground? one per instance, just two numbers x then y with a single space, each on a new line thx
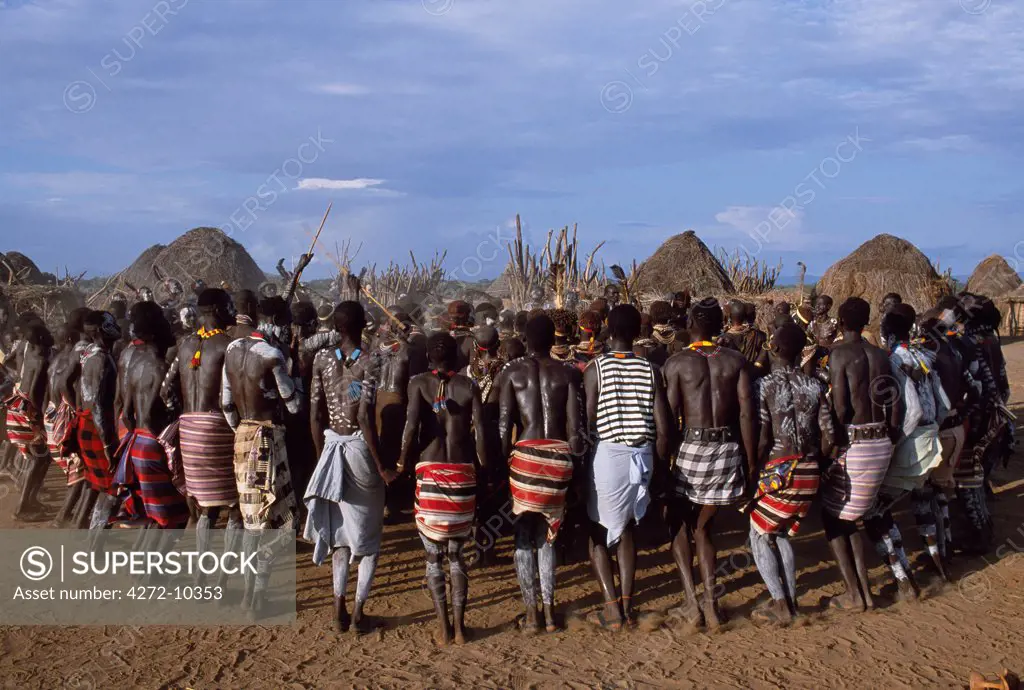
936 642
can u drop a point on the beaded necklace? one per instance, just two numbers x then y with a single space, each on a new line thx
204 335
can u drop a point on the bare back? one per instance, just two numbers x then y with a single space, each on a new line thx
446 435
705 387
394 366
61 368
34 367
862 384
256 381
144 408
201 386
541 396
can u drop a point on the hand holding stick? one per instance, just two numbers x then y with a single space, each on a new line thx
306 258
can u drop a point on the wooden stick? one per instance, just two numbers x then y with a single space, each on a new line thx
100 291
298 274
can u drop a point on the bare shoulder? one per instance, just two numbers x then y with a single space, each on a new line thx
574 373
809 381
189 341
420 379
321 358
521 369
122 361
734 357
516 365
462 381
222 340
876 354
676 360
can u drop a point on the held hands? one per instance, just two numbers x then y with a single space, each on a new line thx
751 481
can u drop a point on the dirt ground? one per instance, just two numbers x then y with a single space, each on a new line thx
971 624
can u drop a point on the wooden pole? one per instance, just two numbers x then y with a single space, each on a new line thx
298 274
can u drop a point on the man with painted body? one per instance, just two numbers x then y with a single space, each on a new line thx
256 385
540 401
444 422
346 494
59 418
194 382
96 427
25 409
146 485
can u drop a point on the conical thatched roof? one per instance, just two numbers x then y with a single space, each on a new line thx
993 277
882 265
25 270
201 253
684 262
500 287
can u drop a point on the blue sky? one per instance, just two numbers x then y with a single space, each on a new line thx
431 123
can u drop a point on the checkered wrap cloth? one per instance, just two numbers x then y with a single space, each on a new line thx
97 465
709 473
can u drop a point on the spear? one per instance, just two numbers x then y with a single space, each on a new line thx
306 259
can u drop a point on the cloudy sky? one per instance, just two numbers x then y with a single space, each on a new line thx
795 129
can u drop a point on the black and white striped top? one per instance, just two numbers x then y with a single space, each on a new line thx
625 399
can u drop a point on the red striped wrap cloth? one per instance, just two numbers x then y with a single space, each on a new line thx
445 500
540 472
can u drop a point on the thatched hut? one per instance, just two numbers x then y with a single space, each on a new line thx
882 265
684 262
500 287
206 254
993 277
15 267
1011 304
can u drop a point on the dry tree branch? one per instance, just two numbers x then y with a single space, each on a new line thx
749 275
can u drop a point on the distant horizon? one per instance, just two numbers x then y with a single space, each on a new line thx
784 281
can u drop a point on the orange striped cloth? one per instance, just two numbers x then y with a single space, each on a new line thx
783 506
540 471
24 423
61 439
445 500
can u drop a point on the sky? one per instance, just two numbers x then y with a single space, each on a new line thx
788 129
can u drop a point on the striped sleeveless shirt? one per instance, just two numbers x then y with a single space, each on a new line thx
625 399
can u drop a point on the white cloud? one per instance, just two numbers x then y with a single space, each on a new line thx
341 89
310 183
953 142
771 226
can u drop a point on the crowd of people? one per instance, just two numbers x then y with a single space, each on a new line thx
328 423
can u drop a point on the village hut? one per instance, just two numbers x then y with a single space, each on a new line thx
882 265
500 287
206 254
16 268
994 278
684 262
1011 304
